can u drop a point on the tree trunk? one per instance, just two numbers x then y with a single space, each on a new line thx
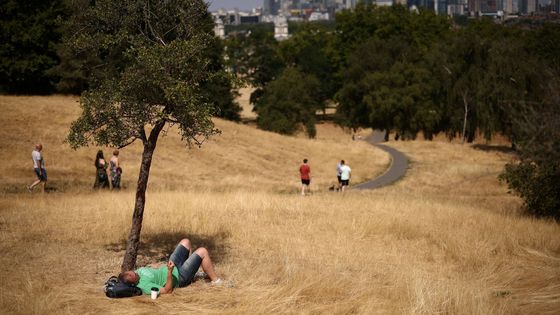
466 104
129 261
386 138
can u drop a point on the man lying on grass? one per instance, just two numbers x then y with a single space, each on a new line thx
179 272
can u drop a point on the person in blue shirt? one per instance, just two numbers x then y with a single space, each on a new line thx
179 271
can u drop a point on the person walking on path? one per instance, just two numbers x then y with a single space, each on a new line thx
39 167
338 173
101 178
116 170
305 174
345 174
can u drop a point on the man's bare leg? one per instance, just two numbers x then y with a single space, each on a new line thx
35 183
187 244
43 186
206 264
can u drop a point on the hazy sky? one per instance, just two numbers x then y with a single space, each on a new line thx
230 4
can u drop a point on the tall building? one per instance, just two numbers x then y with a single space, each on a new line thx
270 7
281 28
527 6
489 6
474 6
219 29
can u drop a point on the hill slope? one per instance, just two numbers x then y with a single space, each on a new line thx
241 157
446 239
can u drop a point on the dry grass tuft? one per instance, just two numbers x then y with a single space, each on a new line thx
447 239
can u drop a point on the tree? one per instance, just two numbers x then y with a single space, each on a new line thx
308 50
155 62
289 101
536 175
401 99
29 32
373 43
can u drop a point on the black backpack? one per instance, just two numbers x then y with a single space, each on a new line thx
116 289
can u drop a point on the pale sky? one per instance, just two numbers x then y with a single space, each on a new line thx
231 4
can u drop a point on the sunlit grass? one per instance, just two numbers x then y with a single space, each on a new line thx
447 239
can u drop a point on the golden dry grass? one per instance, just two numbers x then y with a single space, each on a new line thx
240 158
447 239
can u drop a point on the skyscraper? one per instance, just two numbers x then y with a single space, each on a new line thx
270 7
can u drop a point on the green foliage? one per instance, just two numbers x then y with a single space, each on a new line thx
386 84
537 185
155 62
29 32
400 99
536 176
308 50
288 102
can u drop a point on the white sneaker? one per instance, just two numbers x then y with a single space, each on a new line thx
222 283
217 282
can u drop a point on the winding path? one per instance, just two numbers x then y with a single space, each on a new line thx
397 168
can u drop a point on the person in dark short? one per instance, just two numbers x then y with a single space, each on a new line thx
345 175
39 168
338 173
305 174
179 271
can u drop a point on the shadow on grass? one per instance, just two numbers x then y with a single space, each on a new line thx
157 247
493 148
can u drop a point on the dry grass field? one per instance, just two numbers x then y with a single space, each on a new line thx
240 158
446 239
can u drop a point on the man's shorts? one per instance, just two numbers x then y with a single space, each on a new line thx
344 182
306 181
339 179
41 176
187 266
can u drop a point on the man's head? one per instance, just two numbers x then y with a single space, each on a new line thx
342 162
116 153
38 147
304 160
129 277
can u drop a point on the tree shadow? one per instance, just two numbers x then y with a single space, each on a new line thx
157 247
493 148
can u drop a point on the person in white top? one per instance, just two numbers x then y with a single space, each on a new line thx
338 172
345 174
39 167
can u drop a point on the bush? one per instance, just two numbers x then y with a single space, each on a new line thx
539 186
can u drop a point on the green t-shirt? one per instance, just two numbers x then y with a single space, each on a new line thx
152 277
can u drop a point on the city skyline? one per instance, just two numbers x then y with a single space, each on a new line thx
232 4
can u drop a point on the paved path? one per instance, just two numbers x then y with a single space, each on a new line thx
397 169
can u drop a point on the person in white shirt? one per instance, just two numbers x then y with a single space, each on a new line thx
39 167
338 172
345 174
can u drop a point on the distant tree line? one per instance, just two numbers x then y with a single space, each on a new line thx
416 73
34 60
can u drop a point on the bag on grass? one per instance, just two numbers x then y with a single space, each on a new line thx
116 289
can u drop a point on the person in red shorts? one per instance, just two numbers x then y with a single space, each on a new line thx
305 173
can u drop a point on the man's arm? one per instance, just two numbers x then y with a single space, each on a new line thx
168 288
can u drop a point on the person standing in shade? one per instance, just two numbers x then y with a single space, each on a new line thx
338 173
101 178
345 174
116 170
39 167
305 174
